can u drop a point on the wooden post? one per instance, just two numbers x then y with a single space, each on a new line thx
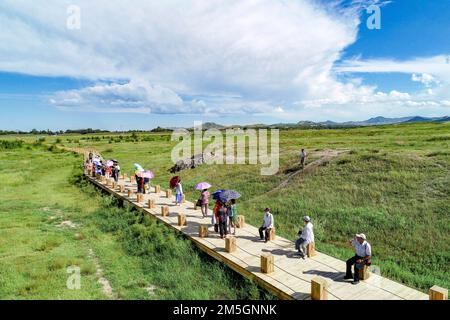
230 244
122 188
114 185
182 220
168 193
140 197
319 289
364 273
240 221
132 179
272 234
151 204
184 199
438 293
195 205
130 193
165 211
203 230
311 249
267 263
124 176
157 189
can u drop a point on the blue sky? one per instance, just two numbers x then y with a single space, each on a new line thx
231 62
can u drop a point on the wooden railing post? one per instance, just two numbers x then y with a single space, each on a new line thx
240 221
203 230
168 193
182 220
267 263
319 289
164 211
438 293
230 244
311 249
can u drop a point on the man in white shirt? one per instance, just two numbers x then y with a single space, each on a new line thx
363 252
268 223
306 236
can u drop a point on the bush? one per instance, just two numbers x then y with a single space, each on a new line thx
9 145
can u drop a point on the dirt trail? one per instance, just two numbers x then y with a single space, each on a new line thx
324 157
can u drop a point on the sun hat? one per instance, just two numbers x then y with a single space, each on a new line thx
306 218
361 235
266 209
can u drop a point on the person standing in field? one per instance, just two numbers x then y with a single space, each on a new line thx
306 236
303 157
363 252
204 198
268 224
232 213
178 193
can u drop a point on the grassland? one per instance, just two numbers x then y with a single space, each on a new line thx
140 258
393 184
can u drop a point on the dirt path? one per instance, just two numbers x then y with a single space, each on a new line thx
106 286
324 157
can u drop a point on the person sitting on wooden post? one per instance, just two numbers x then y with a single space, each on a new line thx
363 252
306 236
268 224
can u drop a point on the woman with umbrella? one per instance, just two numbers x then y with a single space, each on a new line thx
204 197
147 175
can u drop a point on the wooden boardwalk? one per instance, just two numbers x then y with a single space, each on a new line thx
292 276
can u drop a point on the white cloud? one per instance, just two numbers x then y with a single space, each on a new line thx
425 78
202 56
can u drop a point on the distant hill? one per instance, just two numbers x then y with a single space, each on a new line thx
376 121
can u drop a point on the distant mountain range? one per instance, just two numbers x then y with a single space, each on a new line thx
376 121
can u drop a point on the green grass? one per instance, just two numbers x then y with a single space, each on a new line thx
393 185
41 189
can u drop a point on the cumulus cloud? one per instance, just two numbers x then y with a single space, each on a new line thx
201 56
427 79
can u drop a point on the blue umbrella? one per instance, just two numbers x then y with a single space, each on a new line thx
215 194
228 195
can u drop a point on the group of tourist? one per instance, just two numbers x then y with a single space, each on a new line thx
224 217
95 164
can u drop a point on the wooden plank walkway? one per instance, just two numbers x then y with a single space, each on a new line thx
292 276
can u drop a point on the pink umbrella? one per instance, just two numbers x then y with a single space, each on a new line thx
109 163
202 186
148 174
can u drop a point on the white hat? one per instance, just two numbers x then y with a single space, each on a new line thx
361 235
306 218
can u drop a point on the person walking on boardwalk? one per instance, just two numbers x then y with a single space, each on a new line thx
303 157
116 171
306 236
178 193
223 218
268 224
215 216
363 252
232 214
204 201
